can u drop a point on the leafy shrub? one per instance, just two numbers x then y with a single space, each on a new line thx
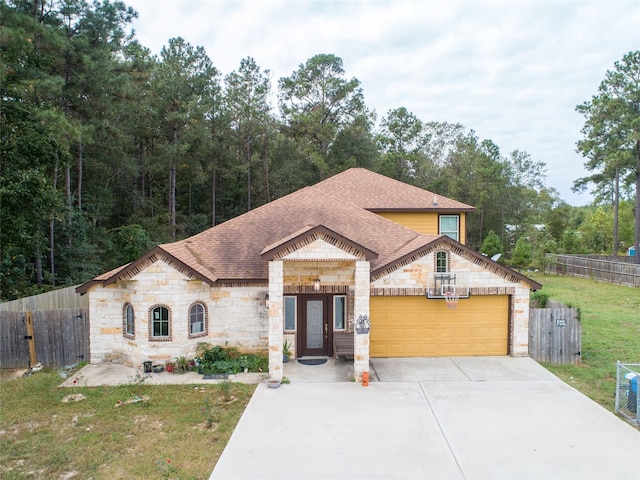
229 361
539 299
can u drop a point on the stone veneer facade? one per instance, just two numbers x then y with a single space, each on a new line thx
237 313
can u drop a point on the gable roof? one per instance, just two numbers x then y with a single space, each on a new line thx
341 207
378 193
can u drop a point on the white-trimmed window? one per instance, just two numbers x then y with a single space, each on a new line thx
160 323
197 320
128 321
450 226
339 312
442 262
290 313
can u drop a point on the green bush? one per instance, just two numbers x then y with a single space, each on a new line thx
229 361
539 299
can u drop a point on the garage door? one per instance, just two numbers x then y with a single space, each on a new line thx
417 327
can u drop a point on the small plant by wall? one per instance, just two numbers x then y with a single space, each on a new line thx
539 299
229 361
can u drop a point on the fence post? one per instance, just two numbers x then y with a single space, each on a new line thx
28 318
617 404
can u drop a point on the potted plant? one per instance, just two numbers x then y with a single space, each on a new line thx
286 351
182 364
273 382
170 366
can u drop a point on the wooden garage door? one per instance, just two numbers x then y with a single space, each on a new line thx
417 327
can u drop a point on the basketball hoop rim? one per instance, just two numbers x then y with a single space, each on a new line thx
451 298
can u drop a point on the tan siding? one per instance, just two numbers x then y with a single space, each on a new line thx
418 221
423 222
416 327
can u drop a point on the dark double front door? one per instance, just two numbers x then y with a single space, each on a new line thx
315 328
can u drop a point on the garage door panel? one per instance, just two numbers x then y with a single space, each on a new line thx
414 326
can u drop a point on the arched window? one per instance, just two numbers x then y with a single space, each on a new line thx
197 320
442 262
160 323
128 321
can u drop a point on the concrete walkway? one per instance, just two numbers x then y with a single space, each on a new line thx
97 374
443 418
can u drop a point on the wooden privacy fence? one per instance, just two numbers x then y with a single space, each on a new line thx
603 269
555 334
61 337
53 300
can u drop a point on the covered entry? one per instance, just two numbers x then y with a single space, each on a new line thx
403 326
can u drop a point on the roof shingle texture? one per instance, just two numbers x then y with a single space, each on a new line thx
378 193
232 249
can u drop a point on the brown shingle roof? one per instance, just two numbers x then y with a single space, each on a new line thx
378 193
232 249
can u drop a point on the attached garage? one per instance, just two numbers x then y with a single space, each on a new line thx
412 326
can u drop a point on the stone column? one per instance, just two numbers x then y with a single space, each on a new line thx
361 307
276 318
520 322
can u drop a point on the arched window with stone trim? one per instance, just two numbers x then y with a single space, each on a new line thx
160 323
198 320
128 321
442 261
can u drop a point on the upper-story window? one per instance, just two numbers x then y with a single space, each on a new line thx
450 226
197 320
160 323
442 262
128 321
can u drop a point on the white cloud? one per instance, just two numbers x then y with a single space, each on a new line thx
513 71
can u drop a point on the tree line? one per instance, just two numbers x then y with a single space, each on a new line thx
108 150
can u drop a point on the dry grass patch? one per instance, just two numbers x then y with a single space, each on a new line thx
173 431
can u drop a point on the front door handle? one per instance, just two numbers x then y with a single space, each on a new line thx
326 330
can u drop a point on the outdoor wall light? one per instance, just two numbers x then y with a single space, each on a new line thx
266 302
363 324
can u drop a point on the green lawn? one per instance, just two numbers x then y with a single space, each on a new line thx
177 432
610 317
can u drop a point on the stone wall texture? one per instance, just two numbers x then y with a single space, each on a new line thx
236 316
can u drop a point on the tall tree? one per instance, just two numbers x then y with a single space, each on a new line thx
247 100
183 82
611 136
525 179
401 140
317 102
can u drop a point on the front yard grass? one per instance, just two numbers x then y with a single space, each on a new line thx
176 431
610 317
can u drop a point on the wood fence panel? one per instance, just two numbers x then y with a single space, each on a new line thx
605 270
61 337
61 298
14 349
555 335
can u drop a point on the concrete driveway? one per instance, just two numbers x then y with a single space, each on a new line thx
438 418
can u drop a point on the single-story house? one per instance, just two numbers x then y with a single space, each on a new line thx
358 249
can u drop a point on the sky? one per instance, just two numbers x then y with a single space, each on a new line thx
512 71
